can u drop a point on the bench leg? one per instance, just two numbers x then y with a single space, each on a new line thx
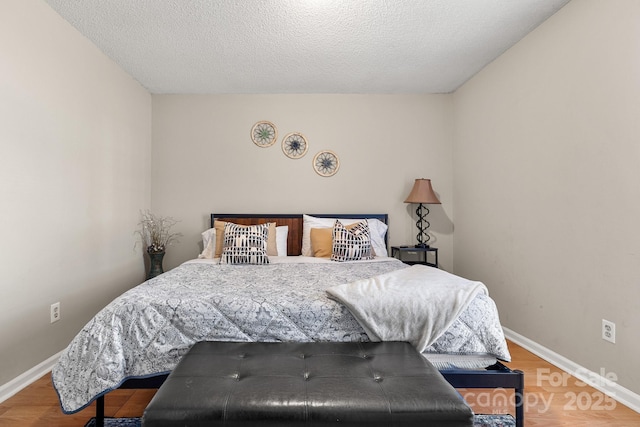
519 407
100 412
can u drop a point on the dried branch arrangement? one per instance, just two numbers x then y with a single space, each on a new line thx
155 231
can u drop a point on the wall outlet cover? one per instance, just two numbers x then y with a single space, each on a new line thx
608 331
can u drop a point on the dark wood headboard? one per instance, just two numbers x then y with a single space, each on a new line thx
293 221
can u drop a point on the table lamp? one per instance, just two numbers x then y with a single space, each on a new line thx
422 193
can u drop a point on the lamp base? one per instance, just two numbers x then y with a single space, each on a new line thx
423 227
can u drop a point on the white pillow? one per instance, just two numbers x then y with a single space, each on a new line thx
209 242
282 234
207 235
377 228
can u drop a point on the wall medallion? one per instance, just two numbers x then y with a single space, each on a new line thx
264 134
326 163
295 145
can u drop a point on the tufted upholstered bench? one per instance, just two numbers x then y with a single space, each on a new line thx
306 384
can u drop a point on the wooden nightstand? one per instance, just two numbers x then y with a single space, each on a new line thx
422 252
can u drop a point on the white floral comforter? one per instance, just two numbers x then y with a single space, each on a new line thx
146 331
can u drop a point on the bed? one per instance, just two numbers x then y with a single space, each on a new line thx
138 338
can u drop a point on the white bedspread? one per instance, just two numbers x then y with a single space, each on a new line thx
416 304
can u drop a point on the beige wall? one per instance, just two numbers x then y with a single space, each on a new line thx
204 160
546 184
75 145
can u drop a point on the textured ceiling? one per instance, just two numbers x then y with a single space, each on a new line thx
304 46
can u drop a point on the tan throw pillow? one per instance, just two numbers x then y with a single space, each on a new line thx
219 226
272 247
321 242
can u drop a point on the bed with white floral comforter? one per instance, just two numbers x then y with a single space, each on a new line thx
146 331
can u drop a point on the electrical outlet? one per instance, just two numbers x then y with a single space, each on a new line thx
55 312
608 331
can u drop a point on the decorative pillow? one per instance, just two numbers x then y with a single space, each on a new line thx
218 226
212 247
322 241
272 240
351 245
377 228
245 244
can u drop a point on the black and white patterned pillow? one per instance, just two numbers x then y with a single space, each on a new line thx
351 244
245 244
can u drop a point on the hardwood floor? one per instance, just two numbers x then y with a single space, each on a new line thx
549 401
552 398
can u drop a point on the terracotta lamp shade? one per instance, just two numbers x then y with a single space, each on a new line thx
422 193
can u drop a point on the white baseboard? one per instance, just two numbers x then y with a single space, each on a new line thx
595 380
15 385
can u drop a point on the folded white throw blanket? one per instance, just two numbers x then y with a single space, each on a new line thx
415 304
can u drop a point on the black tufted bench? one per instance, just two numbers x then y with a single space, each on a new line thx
305 384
